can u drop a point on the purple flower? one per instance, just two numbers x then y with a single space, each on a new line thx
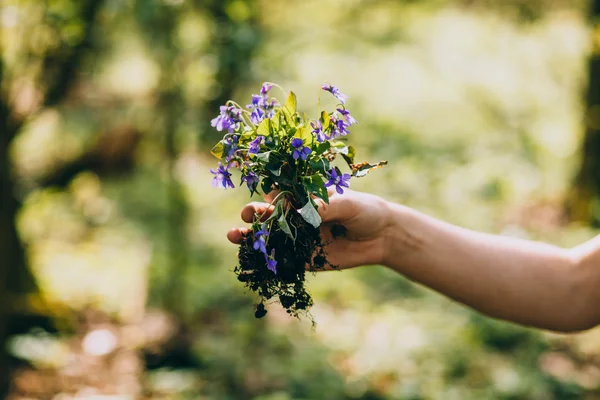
260 240
255 145
228 119
335 92
339 181
264 90
261 106
300 151
318 131
339 127
222 177
257 116
231 143
346 114
256 101
270 108
251 180
271 263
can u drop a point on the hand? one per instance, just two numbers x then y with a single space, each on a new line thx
366 218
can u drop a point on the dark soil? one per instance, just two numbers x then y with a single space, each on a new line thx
293 258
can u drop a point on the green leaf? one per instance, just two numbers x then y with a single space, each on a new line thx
362 169
315 185
274 167
323 147
291 131
285 227
310 214
291 103
276 122
325 120
320 165
247 137
340 147
304 134
267 185
277 211
264 156
350 156
264 128
218 150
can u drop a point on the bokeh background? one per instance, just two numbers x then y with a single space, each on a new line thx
116 278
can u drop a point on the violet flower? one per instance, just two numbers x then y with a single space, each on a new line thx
346 114
231 143
264 90
300 151
251 180
261 106
222 177
257 116
339 181
318 131
228 119
335 92
271 263
339 127
255 145
260 240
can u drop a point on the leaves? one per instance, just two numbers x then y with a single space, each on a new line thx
291 104
283 223
340 147
325 120
218 150
264 157
315 185
319 165
310 214
267 185
362 169
275 164
304 133
349 157
323 147
264 128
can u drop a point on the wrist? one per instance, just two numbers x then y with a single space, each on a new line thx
401 238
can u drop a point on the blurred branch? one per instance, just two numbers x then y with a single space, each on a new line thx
234 42
6 238
112 153
583 200
59 69
63 67
159 21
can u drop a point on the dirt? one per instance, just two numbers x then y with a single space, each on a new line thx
294 260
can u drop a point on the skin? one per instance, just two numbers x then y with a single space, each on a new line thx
525 282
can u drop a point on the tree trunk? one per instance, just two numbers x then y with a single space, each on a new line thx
14 275
583 201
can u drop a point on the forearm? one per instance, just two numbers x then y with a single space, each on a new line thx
521 281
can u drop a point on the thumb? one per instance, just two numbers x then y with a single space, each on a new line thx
337 210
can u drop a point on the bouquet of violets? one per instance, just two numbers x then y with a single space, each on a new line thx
280 150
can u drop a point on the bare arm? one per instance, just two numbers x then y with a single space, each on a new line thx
526 282
522 281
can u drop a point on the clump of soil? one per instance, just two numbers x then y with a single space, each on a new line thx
294 258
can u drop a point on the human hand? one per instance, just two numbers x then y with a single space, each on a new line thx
366 218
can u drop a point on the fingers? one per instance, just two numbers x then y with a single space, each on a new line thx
236 235
253 208
339 209
271 196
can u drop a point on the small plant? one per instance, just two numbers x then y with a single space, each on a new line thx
279 150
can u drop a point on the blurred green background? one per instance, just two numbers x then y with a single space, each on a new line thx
115 275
